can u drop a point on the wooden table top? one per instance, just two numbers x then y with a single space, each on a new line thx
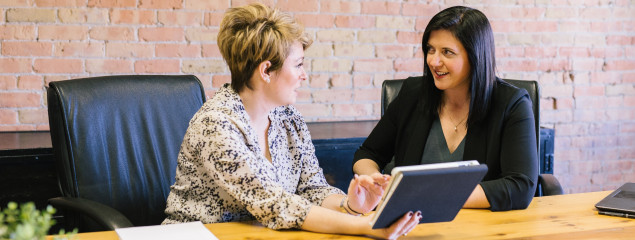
571 216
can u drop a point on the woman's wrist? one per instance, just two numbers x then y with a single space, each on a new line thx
345 208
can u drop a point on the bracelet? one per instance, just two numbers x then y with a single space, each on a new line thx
346 210
349 207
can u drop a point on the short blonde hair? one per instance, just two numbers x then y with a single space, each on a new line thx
252 34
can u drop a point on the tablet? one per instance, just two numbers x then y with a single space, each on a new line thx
438 190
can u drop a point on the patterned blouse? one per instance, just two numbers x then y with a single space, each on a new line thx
223 176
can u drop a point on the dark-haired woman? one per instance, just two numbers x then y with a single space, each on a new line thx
459 110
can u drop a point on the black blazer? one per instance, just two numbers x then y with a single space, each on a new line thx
505 141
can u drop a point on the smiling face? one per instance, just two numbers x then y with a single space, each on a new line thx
448 61
286 80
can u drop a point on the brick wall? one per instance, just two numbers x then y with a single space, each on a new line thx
582 52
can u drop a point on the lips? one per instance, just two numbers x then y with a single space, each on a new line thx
440 74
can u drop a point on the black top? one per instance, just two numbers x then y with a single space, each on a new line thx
505 140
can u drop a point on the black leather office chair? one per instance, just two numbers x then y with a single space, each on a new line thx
547 183
116 140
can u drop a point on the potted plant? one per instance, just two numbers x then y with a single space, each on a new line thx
26 222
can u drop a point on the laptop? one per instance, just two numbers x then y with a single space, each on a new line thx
620 203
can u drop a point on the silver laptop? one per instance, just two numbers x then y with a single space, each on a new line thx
620 202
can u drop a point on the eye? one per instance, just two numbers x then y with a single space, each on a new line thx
300 65
429 50
448 52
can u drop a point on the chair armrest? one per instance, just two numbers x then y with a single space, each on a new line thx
549 184
104 215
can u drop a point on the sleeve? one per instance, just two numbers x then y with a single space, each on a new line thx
380 144
234 167
312 185
518 160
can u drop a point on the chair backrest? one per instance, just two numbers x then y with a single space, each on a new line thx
116 138
390 90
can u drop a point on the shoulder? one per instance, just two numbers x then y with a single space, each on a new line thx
507 96
289 117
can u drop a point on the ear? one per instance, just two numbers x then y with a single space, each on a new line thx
263 71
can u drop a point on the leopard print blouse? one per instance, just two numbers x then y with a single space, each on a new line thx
222 174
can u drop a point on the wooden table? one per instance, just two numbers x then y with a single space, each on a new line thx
570 216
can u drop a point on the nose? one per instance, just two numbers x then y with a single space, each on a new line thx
434 60
303 75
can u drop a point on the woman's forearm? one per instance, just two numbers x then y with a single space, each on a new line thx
477 199
366 167
324 220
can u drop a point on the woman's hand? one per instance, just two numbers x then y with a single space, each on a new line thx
401 227
365 192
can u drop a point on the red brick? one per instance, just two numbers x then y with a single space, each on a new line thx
112 33
373 65
15 65
619 65
112 3
394 51
50 32
318 81
510 51
541 26
126 16
30 82
419 9
79 49
201 34
59 3
381 7
8 82
119 49
208 5
16 3
219 80
523 65
213 18
17 32
178 50
421 23
606 27
341 80
618 40
19 99
362 80
57 66
108 66
171 18
313 109
409 37
298 5
238 3
33 116
338 6
157 66
562 103
343 21
161 4
210 50
554 65
367 94
352 110
27 48
332 95
409 65
8 116
315 20
31 15
161 34
15 128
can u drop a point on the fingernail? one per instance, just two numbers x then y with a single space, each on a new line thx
410 214
418 213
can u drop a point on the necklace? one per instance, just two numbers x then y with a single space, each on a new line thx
456 125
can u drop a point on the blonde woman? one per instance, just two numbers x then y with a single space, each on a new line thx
247 153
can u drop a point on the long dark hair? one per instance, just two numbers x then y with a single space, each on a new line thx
472 29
